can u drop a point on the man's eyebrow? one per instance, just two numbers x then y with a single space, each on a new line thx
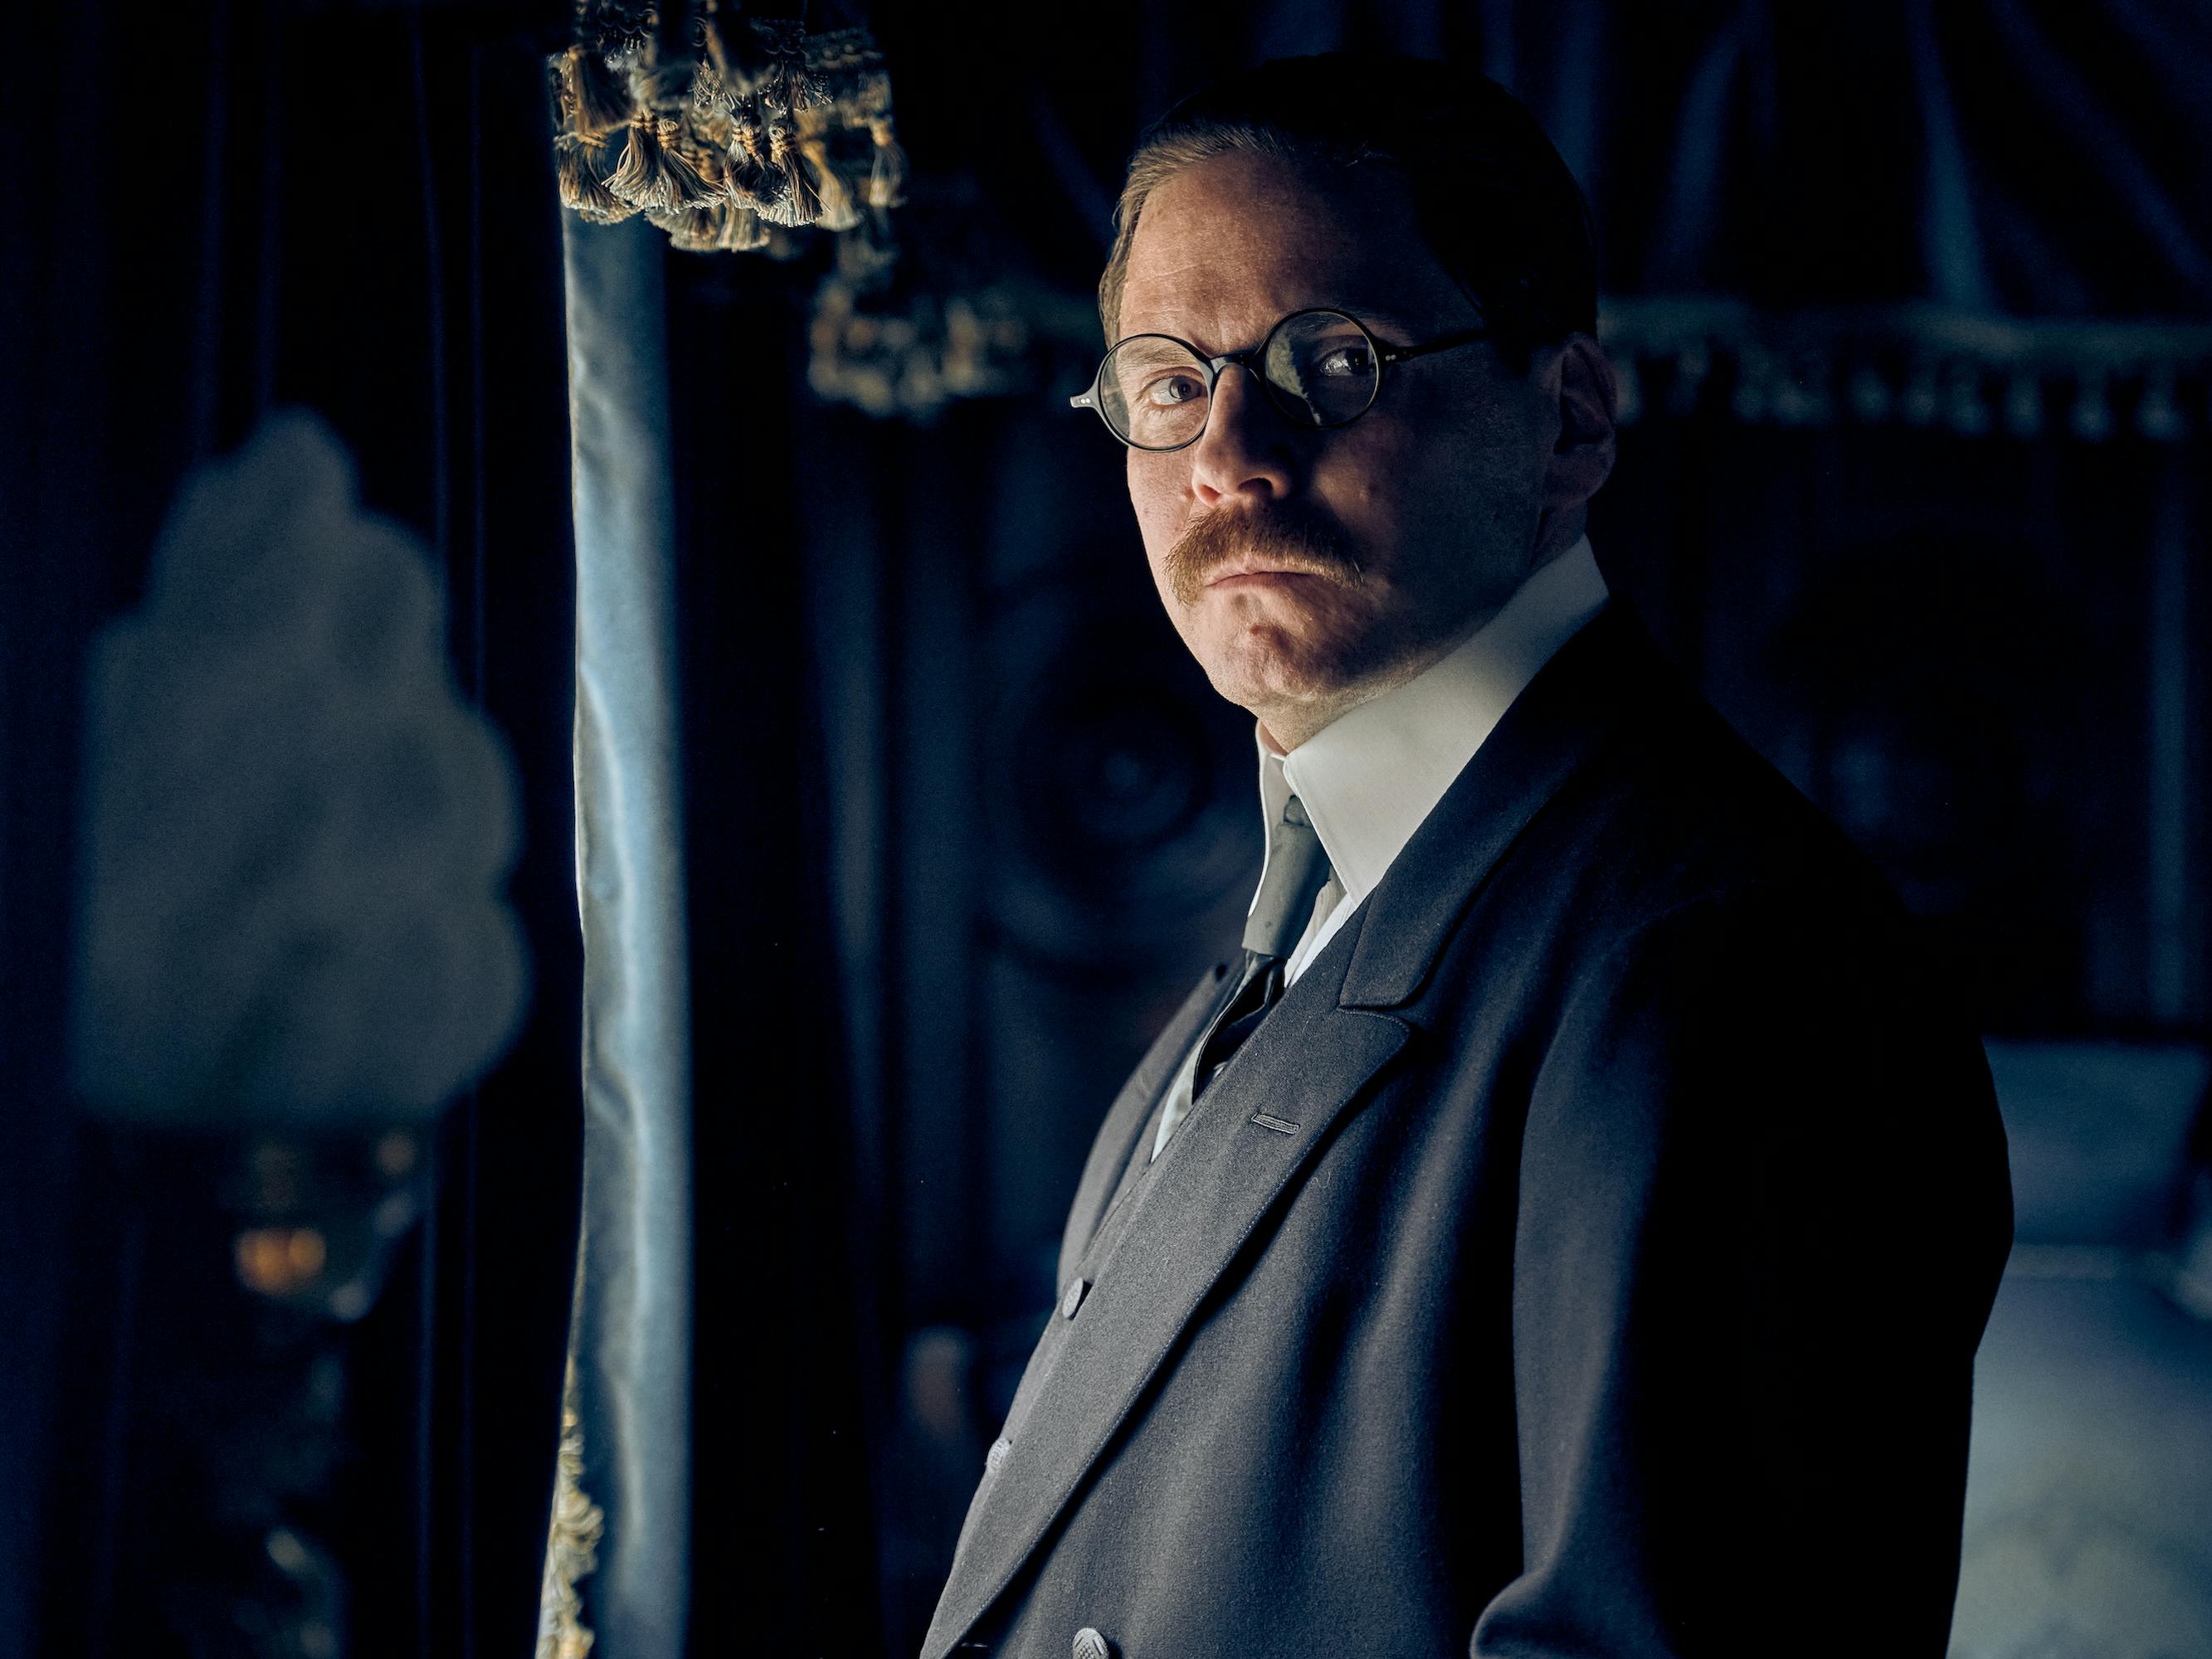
1376 314
1367 308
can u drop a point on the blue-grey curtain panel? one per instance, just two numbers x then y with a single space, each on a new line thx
633 1337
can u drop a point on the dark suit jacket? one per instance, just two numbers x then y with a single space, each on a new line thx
1585 1257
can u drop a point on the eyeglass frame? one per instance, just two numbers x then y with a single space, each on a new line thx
1385 355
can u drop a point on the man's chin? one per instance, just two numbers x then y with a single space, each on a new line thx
1299 663
1261 668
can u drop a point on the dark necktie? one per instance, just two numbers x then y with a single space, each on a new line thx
1297 870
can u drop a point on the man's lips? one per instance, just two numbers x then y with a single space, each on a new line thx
1232 574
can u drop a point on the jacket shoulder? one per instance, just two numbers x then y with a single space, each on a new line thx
1672 808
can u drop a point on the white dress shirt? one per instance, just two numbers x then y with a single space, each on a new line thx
1369 778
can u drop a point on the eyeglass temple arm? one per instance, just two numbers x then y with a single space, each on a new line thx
1399 354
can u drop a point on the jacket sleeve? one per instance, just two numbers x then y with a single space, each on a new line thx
1763 1211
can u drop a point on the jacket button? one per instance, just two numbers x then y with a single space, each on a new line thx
996 1455
1073 1298
1089 1644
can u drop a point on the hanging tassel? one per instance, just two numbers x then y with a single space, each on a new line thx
2158 416
712 167
866 257
712 95
836 211
887 177
724 227
691 229
712 102
2024 404
636 176
741 230
1964 408
2093 407
581 187
1870 396
1917 401
560 81
651 172
801 201
752 182
688 185
597 99
1694 366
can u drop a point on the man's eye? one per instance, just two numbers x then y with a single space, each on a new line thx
1172 389
1350 359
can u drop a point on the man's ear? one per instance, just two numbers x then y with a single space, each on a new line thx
1588 400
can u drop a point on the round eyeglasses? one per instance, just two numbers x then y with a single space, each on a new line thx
1319 368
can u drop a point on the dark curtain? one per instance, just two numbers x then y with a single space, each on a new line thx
353 211
246 207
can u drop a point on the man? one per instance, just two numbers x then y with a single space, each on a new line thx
1568 1228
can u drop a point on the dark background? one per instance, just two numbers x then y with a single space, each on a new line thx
962 820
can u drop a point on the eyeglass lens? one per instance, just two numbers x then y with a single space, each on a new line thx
1318 367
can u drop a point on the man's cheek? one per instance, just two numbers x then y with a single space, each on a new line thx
1159 530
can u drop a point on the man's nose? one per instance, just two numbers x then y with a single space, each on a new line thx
1245 449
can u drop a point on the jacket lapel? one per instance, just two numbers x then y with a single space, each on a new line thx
1187 1224
1117 1135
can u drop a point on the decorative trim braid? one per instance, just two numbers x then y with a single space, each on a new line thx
1975 374
572 1544
749 131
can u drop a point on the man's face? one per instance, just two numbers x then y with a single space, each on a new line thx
1309 570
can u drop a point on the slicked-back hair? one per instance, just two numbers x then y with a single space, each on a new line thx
1492 197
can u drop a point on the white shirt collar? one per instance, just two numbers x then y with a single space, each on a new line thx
1369 778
